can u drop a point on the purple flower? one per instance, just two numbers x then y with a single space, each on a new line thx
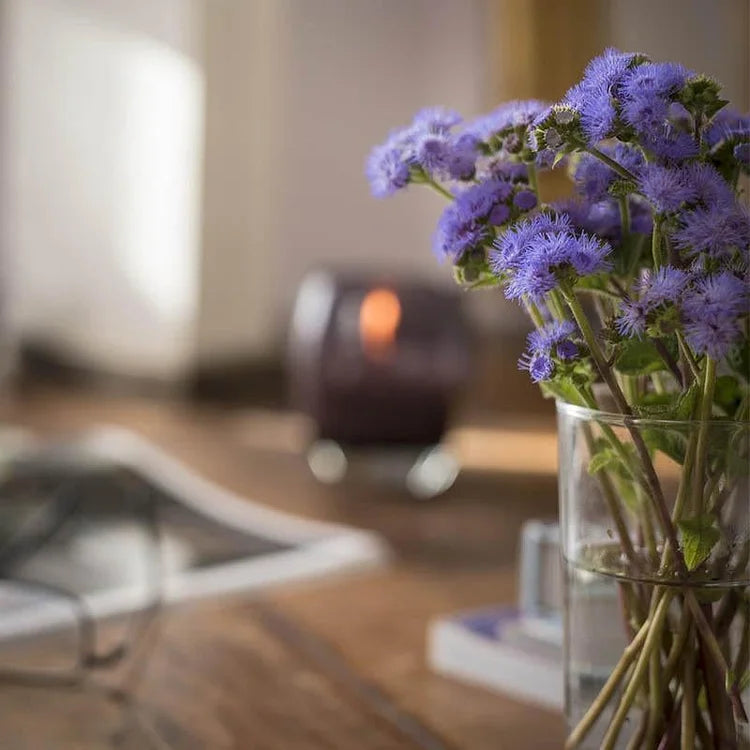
436 119
663 286
464 223
511 248
552 253
633 318
462 157
553 341
499 215
742 153
728 124
662 79
540 367
525 200
593 177
511 171
548 338
648 96
647 93
670 143
445 156
514 114
455 235
712 312
594 96
603 218
667 187
431 151
478 200
716 230
711 187
387 170
426 143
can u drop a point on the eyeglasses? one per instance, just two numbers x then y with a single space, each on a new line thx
66 533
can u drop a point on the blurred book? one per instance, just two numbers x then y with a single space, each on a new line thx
109 522
499 649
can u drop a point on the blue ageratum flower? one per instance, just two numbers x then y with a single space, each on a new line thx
426 144
388 167
667 188
648 96
593 177
510 249
656 291
712 189
595 96
713 311
554 342
445 156
436 119
506 117
647 93
548 256
718 231
466 223
604 219
497 166
728 125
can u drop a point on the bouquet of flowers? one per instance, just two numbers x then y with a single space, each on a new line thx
639 291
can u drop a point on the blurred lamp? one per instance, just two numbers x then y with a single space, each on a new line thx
376 361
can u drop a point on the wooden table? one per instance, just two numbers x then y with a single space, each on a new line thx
336 664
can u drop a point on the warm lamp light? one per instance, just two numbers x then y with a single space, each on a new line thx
379 318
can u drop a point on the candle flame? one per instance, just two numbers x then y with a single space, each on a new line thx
379 318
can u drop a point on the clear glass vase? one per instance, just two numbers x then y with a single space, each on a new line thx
655 519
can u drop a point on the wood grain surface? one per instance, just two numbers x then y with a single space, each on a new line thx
338 663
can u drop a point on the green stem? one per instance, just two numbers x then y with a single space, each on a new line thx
635 683
655 698
438 188
612 164
534 312
625 216
688 355
533 179
714 650
651 479
743 652
656 253
707 400
556 304
676 653
689 700
610 686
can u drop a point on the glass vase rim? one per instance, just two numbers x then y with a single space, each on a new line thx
614 418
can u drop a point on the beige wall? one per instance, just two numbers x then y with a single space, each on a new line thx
298 92
100 155
141 242
710 36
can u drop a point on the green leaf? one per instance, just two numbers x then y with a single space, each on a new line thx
638 357
739 360
699 537
727 393
686 403
602 460
563 389
656 405
669 442
596 284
